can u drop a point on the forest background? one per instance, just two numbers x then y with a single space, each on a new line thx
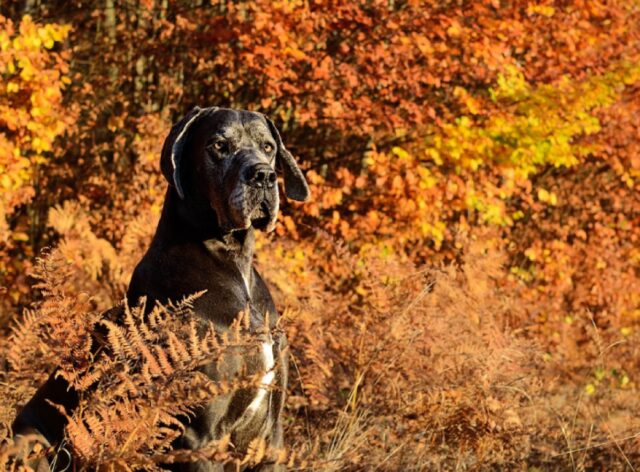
463 289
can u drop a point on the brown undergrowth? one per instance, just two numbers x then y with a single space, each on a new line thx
394 367
419 368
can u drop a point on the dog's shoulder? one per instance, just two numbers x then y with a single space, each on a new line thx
172 273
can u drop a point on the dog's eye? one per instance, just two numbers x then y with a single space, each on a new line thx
268 147
217 145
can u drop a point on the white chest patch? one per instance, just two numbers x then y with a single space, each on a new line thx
267 378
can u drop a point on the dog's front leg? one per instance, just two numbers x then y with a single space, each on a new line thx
276 437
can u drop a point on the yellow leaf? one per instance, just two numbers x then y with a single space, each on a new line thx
454 30
543 195
544 10
401 153
5 181
294 52
530 254
360 290
20 236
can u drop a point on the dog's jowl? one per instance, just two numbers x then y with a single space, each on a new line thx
221 165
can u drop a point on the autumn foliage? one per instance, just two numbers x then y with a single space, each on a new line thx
461 292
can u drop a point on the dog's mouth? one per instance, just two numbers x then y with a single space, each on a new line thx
261 216
252 208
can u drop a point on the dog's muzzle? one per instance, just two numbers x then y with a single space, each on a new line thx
254 202
263 179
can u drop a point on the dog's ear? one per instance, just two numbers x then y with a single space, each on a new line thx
295 185
173 147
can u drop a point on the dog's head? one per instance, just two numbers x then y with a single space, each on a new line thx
227 159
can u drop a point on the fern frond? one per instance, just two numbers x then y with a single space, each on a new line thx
118 341
23 334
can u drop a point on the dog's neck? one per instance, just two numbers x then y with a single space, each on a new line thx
237 248
186 222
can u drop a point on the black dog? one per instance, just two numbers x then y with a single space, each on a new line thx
221 167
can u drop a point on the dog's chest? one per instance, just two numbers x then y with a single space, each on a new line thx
244 270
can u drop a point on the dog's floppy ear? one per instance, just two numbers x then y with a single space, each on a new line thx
173 147
295 185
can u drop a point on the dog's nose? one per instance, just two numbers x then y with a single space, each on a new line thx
261 175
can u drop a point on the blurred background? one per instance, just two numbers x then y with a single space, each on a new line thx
463 289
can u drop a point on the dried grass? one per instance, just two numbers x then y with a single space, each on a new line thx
394 367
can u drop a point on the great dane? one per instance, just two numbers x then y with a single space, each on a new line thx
221 167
